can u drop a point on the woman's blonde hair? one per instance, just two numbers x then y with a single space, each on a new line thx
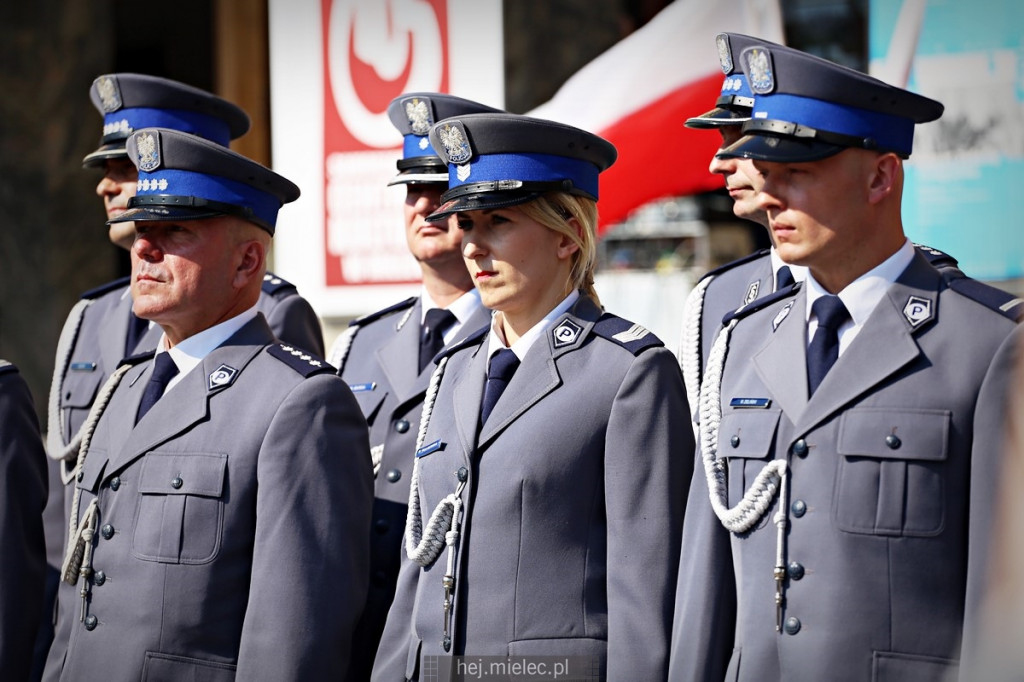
554 210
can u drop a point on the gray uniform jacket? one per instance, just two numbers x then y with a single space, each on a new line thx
572 504
22 496
233 524
381 368
883 462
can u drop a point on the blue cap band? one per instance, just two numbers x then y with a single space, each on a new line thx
412 149
211 187
527 168
892 133
120 124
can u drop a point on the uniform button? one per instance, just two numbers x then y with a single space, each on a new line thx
401 426
107 531
379 579
462 474
795 570
115 483
893 441
382 526
91 622
80 476
176 482
799 508
800 448
394 475
734 441
99 578
792 625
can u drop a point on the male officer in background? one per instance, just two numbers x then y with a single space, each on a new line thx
219 531
845 409
101 329
22 497
386 357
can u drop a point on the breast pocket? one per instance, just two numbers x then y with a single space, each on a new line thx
181 507
890 479
746 441
77 394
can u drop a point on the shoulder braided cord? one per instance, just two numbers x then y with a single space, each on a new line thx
78 558
55 435
424 545
340 348
759 496
689 350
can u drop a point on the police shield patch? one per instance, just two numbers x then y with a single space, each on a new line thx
222 376
917 311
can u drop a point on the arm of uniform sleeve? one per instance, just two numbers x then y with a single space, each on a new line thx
648 460
294 321
310 566
23 491
705 615
988 633
399 641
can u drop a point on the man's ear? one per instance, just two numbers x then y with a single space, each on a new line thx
252 262
883 181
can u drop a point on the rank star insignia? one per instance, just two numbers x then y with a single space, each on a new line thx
759 70
453 137
917 311
110 94
417 110
566 333
149 152
222 376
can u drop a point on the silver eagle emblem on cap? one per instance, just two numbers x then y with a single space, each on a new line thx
453 137
417 110
109 92
149 152
759 70
724 53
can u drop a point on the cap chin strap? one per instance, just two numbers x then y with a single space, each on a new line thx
802 132
512 185
198 203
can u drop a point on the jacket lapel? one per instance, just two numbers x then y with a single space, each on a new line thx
783 371
399 358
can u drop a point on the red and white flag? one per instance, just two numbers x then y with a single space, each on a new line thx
640 91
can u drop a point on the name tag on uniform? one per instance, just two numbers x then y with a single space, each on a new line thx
750 402
429 448
83 366
361 388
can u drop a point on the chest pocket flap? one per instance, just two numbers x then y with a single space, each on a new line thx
747 434
884 433
80 387
183 474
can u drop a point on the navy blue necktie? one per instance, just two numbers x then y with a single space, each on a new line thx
164 370
503 365
784 278
435 323
824 348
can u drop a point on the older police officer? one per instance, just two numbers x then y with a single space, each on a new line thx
841 443
223 489
547 494
386 357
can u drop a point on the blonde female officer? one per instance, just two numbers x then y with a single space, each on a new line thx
544 524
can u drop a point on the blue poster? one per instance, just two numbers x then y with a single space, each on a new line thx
964 191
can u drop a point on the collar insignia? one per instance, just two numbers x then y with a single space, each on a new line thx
782 315
222 376
917 311
752 290
566 333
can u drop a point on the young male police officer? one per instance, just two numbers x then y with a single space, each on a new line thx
386 357
223 495
839 432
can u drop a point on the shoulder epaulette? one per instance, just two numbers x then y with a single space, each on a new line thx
107 288
302 362
760 253
631 336
137 358
471 340
6 367
1004 303
273 285
763 302
938 259
366 319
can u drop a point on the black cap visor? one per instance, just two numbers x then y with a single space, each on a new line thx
162 208
482 201
718 117
113 150
766 147
422 169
